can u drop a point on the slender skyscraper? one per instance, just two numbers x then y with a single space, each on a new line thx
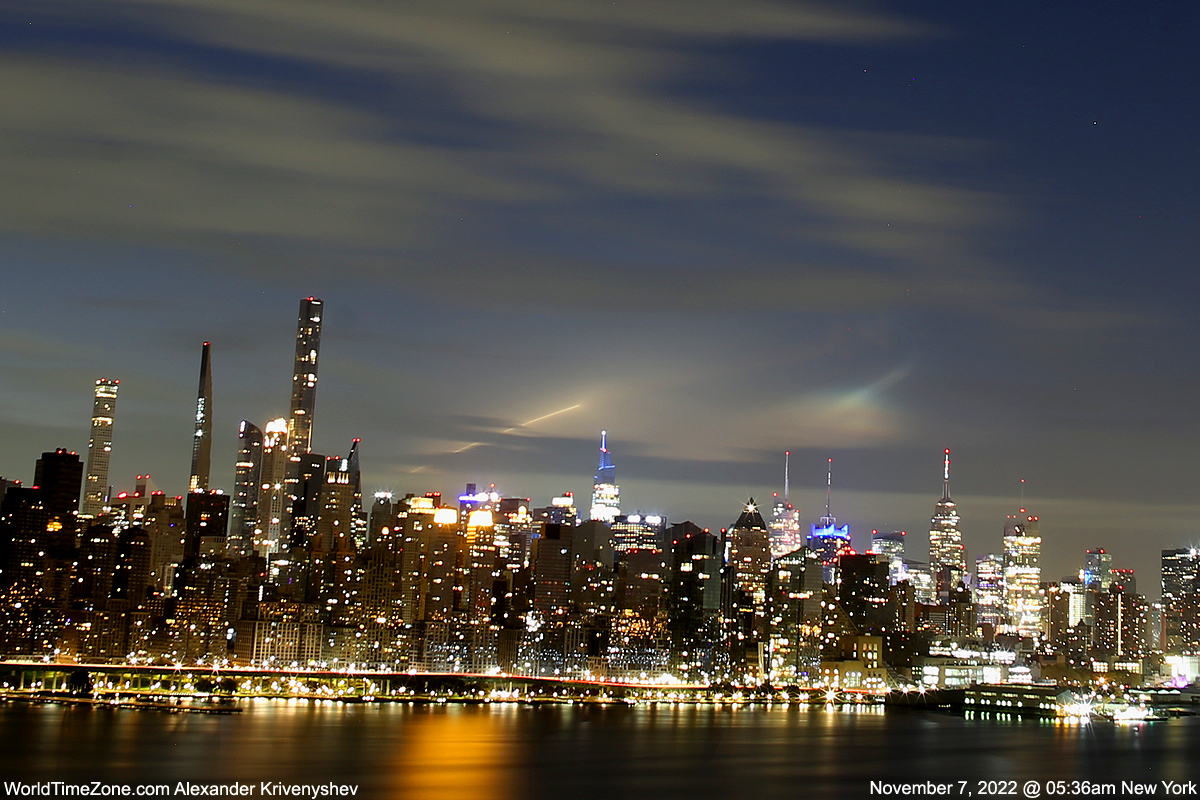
947 555
606 495
297 511
95 486
247 483
272 502
786 534
358 518
304 376
202 440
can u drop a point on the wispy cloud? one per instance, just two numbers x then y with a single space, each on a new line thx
374 135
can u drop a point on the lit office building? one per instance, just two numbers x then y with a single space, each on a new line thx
989 590
1122 622
637 532
1023 600
1097 569
794 617
1096 577
748 561
924 585
862 591
335 519
787 534
561 511
1181 601
890 544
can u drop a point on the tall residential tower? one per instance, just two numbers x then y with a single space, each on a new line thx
202 439
304 376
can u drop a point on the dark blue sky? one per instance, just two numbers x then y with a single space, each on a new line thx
718 230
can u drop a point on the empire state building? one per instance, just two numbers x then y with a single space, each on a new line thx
947 555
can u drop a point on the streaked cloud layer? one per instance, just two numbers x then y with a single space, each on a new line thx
719 230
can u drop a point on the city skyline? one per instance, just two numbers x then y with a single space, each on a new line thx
866 233
862 536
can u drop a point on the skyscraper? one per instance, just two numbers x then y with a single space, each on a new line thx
1181 600
247 484
358 517
891 545
989 590
825 538
786 533
947 555
1023 574
606 495
272 508
304 376
202 439
1097 569
104 409
748 562
58 474
299 483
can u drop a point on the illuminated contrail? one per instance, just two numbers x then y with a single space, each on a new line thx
467 447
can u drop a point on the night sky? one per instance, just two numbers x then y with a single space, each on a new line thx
719 230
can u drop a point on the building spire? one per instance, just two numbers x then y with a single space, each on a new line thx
946 477
607 473
829 489
786 456
829 520
606 495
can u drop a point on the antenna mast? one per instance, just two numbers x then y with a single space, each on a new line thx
829 488
786 456
946 477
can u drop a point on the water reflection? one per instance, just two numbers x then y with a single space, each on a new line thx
464 753
503 752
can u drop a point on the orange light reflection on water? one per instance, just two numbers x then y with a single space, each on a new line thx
456 754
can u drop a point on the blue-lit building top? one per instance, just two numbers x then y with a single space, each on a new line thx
829 531
606 495
826 541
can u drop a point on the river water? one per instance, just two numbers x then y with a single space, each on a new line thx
509 752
